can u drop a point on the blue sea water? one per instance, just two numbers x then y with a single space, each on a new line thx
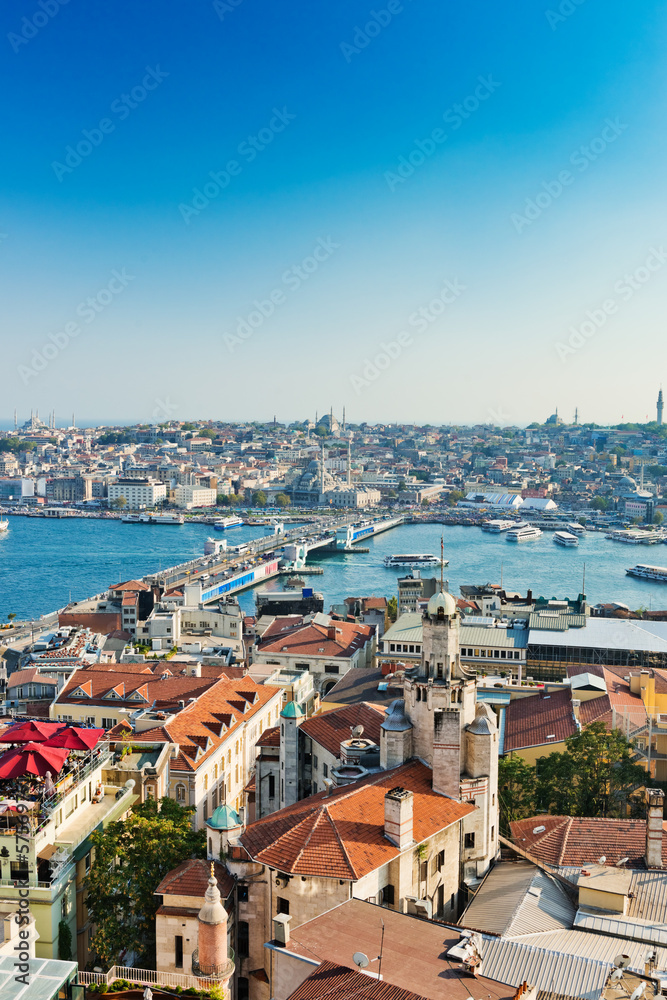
45 563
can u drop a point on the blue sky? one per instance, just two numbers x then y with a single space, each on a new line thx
246 208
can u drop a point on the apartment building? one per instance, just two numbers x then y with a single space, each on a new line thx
137 493
194 496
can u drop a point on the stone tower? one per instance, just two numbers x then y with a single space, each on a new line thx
211 957
395 736
660 407
291 718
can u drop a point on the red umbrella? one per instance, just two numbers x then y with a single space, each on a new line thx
32 759
31 732
75 738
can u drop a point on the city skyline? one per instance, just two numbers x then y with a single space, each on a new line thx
394 191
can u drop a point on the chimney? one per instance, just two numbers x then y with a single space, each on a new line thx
398 817
331 632
281 934
655 799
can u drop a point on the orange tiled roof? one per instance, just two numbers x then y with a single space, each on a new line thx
269 738
530 721
570 840
165 693
341 835
331 728
313 640
190 878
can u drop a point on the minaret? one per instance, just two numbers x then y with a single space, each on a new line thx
211 958
322 474
576 416
291 718
349 463
343 420
660 407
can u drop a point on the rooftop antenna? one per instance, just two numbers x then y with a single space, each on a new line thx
583 582
501 576
381 950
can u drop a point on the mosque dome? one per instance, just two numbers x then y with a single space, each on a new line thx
224 818
291 711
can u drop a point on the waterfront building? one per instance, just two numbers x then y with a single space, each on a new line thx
17 489
137 493
194 496
71 489
351 496
414 588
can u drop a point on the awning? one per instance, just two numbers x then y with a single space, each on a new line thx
46 852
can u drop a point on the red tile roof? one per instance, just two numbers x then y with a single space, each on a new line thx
530 721
97 683
269 738
331 728
191 877
341 834
313 640
574 840
130 585
335 982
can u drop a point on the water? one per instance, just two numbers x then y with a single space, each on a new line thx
44 563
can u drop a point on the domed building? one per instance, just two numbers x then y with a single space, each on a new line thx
309 486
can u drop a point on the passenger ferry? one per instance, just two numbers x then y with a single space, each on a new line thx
576 528
412 560
227 522
565 538
524 534
4 524
496 525
656 573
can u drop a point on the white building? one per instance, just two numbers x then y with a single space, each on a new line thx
351 496
137 493
194 496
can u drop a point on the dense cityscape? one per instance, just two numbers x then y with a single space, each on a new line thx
263 800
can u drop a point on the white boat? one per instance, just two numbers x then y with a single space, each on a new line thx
524 534
656 573
635 537
4 524
575 528
413 560
565 538
497 525
227 522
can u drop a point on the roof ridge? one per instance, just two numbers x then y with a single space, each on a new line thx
340 842
568 827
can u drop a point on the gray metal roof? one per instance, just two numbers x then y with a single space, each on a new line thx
616 925
407 628
518 898
606 633
649 893
555 621
514 961
504 638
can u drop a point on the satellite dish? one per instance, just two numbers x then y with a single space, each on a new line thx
639 992
623 861
602 860
539 829
360 959
616 975
621 961
357 732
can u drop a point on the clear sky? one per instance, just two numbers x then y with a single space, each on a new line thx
417 209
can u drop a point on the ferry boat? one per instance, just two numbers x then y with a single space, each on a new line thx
656 573
575 528
227 522
4 524
565 538
496 525
412 560
153 519
524 534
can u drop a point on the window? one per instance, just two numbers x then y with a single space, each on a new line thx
272 786
469 841
214 799
282 904
493 833
178 951
19 870
313 788
242 988
325 770
423 871
180 793
205 809
243 893
88 861
331 668
438 862
108 723
315 762
243 938
388 895
301 666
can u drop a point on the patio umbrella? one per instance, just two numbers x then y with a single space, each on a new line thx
74 738
31 732
32 759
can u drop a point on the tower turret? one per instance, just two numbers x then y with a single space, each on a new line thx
211 957
291 718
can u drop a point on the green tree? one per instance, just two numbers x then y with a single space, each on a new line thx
222 500
599 503
282 500
517 788
11 615
392 608
595 776
118 503
454 496
658 517
64 942
131 858
259 499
